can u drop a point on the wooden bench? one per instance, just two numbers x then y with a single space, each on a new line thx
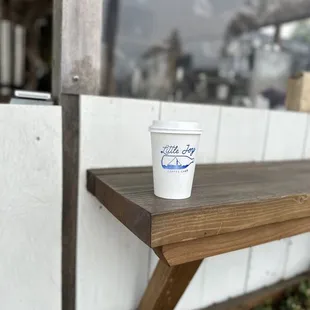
233 206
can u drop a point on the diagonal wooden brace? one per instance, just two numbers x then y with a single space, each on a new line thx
167 285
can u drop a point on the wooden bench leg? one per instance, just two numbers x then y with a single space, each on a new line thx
167 285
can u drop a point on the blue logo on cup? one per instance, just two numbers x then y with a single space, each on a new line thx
174 159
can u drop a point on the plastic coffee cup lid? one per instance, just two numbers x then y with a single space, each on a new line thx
175 127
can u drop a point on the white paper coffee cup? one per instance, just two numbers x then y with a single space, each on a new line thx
174 153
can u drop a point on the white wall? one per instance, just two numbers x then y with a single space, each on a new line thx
113 265
30 208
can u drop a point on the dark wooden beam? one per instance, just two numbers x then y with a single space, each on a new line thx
225 199
71 133
167 285
76 70
110 35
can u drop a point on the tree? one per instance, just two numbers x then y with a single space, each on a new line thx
302 31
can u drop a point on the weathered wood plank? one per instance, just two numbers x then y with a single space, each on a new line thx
110 34
225 198
77 47
167 286
298 92
187 251
259 297
71 131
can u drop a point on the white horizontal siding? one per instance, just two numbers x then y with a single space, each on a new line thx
113 265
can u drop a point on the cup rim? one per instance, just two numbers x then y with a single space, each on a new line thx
176 127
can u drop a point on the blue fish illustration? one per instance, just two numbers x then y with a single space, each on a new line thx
176 162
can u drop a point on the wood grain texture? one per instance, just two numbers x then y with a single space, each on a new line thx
167 286
259 297
226 198
183 252
297 95
77 47
192 297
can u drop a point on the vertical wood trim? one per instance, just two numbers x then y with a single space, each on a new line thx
12 42
110 34
56 49
77 47
1 51
20 43
5 46
167 285
71 132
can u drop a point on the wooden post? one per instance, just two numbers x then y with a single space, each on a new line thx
77 47
1 65
277 35
5 47
77 44
110 42
167 285
13 18
297 94
71 132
